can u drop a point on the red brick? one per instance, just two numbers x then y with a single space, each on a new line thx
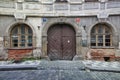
18 53
99 54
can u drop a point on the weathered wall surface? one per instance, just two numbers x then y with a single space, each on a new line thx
36 25
101 54
3 52
38 15
5 22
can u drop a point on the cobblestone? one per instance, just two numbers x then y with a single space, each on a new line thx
61 70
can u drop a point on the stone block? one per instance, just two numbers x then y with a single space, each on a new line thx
19 15
117 54
3 54
77 57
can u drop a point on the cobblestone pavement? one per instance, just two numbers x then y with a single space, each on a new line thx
59 70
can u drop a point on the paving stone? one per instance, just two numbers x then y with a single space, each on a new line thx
75 75
105 75
29 75
61 65
61 70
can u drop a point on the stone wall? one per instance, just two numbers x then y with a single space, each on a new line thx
3 54
5 23
18 54
101 54
37 24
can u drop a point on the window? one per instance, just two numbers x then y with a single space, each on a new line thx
91 0
21 36
101 36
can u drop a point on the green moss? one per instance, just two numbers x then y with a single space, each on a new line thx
30 58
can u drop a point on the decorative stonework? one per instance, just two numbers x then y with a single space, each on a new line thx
48 7
61 6
19 15
6 4
19 5
75 1
91 6
47 1
32 6
75 7
31 0
103 15
114 4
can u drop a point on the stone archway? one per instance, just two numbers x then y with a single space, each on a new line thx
60 21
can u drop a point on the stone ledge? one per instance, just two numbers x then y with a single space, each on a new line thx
102 66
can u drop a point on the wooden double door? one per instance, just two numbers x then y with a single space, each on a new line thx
61 42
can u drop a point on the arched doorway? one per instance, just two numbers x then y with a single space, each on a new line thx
61 42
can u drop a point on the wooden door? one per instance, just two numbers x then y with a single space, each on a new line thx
61 42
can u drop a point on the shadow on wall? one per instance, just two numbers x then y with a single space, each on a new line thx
101 54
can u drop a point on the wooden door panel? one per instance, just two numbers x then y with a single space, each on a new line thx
68 42
61 42
67 52
54 43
